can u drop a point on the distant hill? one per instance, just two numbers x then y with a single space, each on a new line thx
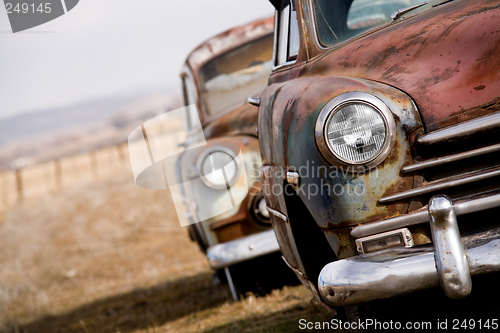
33 124
85 126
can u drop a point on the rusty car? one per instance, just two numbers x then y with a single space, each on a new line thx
380 148
217 78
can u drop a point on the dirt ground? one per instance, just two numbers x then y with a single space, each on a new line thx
109 256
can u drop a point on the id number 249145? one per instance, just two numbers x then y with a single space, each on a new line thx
475 324
26 7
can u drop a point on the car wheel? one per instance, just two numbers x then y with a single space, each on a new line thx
260 276
194 235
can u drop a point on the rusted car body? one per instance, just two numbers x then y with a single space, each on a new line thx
218 77
380 147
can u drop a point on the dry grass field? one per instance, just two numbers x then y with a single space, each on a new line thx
103 255
108 256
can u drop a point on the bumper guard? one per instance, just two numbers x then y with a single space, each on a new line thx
396 272
243 249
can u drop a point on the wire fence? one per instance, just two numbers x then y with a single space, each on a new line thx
40 179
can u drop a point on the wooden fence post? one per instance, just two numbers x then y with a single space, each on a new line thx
57 174
120 147
19 185
5 189
93 163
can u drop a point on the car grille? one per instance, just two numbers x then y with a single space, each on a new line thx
230 232
460 161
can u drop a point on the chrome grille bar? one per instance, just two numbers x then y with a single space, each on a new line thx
450 158
440 185
460 131
422 216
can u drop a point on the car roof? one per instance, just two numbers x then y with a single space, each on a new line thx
228 40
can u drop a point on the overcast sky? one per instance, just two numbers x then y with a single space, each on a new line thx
105 47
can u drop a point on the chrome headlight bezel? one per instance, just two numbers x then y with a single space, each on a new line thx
218 149
335 105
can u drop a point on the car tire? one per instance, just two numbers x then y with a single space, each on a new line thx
261 275
195 236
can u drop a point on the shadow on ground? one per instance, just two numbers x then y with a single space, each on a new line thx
284 321
187 297
139 309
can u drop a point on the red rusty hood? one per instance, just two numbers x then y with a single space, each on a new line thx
447 59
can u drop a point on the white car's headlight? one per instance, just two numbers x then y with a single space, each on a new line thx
355 129
218 167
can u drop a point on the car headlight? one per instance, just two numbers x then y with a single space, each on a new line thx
259 210
218 167
355 130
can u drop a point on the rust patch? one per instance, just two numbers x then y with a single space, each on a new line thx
436 57
464 115
379 58
288 116
341 242
421 234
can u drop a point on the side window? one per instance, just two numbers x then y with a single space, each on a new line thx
189 94
287 34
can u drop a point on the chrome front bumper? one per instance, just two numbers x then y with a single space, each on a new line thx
243 249
450 262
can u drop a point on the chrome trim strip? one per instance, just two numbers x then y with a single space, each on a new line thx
450 158
293 177
390 224
476 205
277 38
295 270
243 249
396 272
279 67
458 132
277 214
451 261
254 101
283 35
439 185
236 296
422 216
314 28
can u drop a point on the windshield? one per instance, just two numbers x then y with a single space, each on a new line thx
337 21
229 79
